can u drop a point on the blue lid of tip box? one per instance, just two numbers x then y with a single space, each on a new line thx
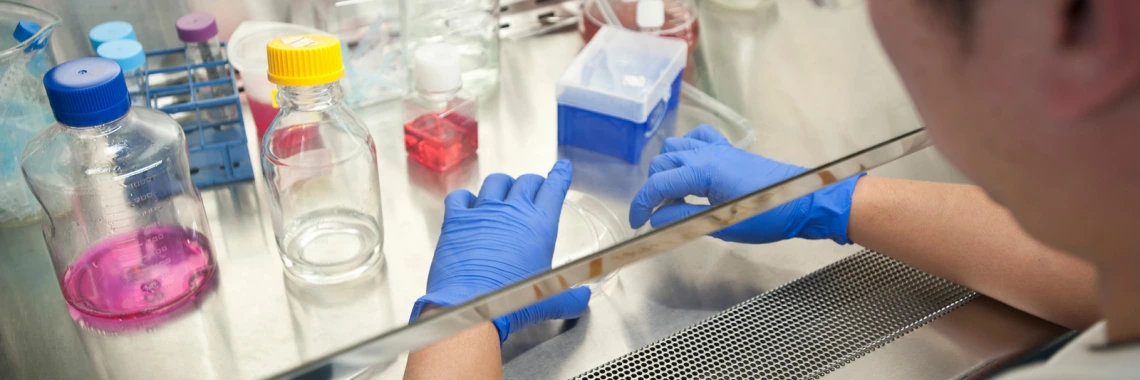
619 91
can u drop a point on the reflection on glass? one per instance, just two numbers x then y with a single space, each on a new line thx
326 317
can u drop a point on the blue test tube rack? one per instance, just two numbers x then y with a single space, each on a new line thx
217 145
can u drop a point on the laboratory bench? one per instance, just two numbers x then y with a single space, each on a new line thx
794 82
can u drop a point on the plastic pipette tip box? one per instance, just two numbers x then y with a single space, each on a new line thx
619 91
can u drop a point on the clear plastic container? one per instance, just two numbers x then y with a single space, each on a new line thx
470 25
132 60
246 50
618 91
320 165
125 225
441 128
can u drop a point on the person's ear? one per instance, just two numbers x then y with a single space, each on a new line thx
1098 55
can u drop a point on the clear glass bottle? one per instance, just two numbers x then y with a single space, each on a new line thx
470 25
441 129
132 60
124 223
320 165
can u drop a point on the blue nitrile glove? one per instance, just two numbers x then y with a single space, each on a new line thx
505 235
704 164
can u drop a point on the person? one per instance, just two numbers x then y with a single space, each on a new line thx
1037 102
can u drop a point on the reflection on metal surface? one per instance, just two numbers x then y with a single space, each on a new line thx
529 291
801 330
527 18
326 316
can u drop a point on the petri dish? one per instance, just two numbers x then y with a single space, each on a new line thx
698 108
586 226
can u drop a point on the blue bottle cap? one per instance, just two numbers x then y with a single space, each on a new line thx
24 30
87 92
127 53
110 31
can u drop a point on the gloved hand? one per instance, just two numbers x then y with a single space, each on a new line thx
504 235
703 163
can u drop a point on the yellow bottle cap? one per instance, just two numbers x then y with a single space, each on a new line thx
305 60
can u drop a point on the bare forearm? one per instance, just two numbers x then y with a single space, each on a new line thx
956 232
472 354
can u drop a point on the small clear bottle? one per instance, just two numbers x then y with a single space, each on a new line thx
110 31
320 166
132 60
442 129
124 223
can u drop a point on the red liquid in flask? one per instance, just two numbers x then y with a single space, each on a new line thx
139 273
440 142
263 115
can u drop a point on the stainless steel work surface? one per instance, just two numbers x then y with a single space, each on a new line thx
813 82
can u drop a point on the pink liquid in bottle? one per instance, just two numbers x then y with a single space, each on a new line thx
140 273
441 143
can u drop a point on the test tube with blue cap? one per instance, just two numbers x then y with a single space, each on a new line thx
131 58
110 31
24 30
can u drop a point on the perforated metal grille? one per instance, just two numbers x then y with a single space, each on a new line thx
801 330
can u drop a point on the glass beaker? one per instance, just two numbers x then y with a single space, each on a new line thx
472 26
24 107
369 31
680 19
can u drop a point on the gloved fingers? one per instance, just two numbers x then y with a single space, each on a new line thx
707 134
670 184
676 144
568 305
457 200
553 190
667 161
495 188
673 212
525 188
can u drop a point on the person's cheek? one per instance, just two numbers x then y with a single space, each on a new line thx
926 56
